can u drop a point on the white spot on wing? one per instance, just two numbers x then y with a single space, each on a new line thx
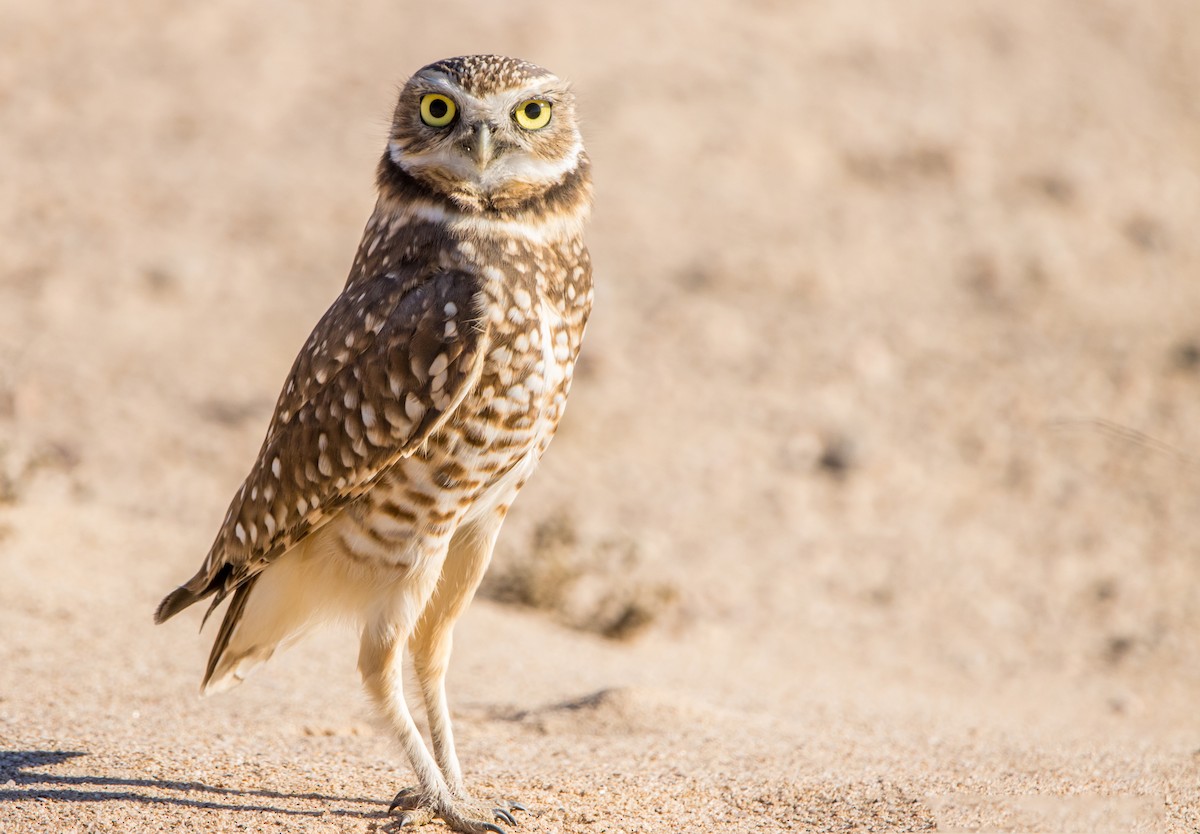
414 408
439 365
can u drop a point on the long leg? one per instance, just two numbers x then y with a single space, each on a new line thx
380 663
431 642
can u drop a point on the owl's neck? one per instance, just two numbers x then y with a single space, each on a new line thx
531 204
414 225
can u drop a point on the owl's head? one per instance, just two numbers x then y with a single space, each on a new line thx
486 131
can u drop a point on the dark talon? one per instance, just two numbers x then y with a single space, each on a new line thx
501 814
403 796
517 806
495 828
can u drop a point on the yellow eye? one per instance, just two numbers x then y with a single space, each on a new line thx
533 114
437 110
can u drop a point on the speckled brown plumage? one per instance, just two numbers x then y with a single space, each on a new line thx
419 405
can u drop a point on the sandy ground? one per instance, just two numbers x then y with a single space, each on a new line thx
835 536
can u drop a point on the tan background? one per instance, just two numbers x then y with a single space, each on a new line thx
868 273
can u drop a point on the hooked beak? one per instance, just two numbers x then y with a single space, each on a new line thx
479 146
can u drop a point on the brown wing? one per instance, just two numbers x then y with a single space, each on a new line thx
386 365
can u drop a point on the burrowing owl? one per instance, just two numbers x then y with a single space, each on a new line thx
420 404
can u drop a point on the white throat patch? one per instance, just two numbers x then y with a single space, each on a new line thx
513 167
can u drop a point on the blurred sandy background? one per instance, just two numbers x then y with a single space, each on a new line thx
830 538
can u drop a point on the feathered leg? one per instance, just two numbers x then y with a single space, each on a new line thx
432 641
380 664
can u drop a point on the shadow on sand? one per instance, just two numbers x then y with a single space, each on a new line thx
21 778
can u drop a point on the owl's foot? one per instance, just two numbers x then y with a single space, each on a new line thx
413 807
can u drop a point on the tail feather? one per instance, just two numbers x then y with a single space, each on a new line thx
270 610
173 603
195 589
233 616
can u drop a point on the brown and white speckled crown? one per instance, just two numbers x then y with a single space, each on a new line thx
484 74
